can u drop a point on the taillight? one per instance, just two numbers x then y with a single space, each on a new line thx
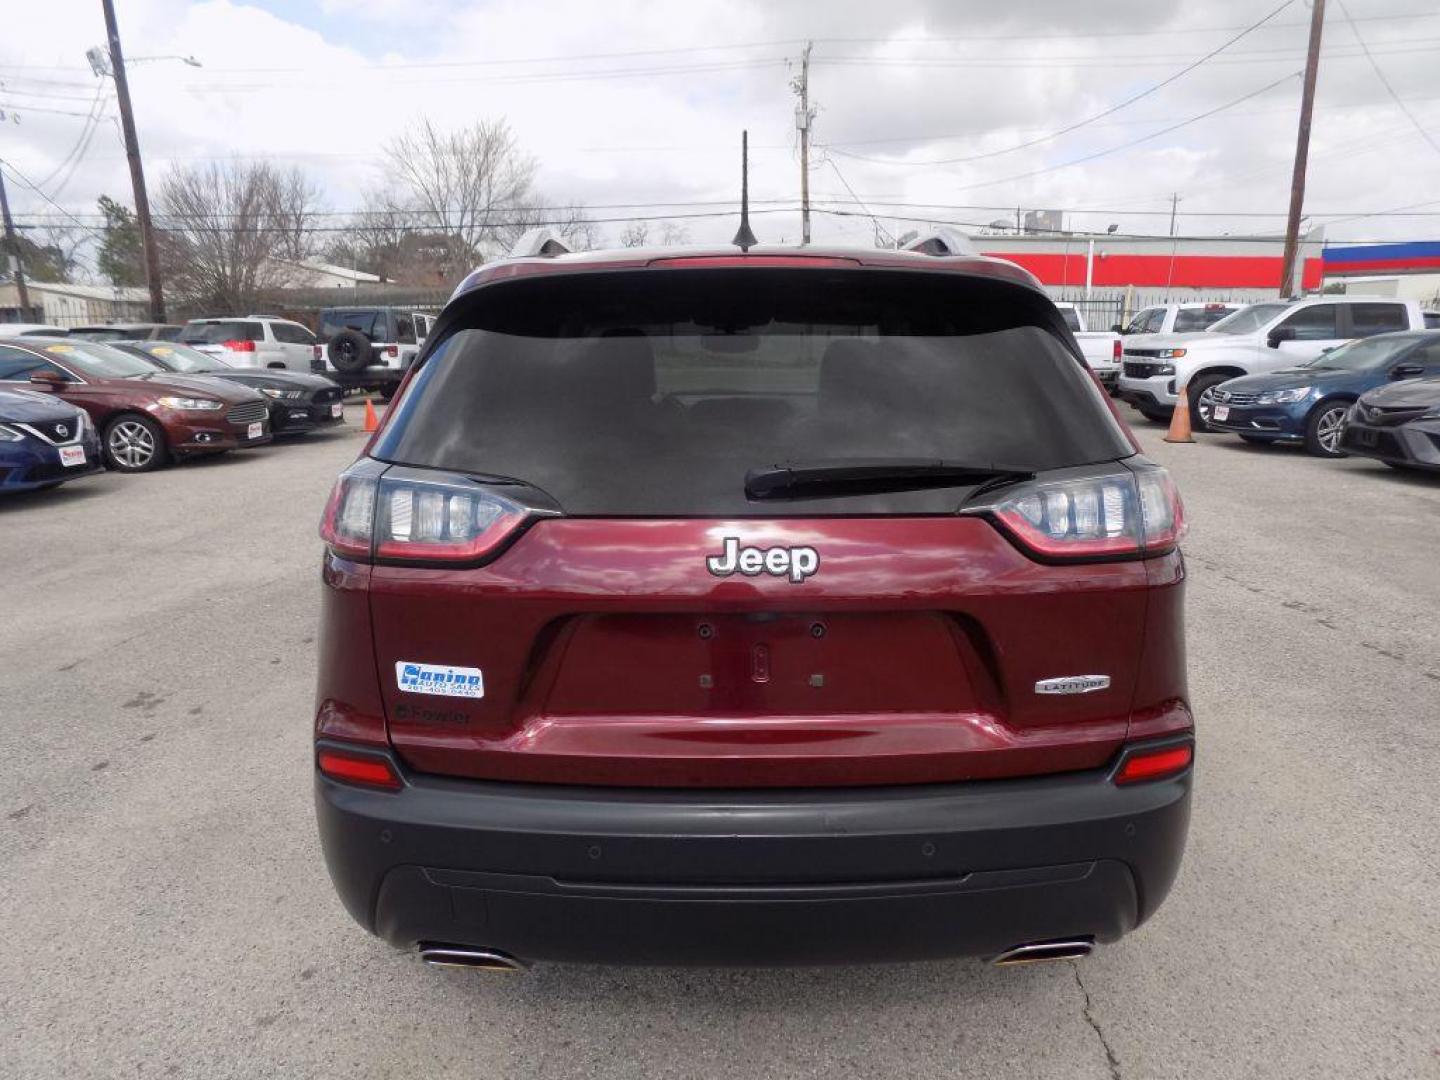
1115 514
1115 349
392 350
405 518
238 346
358 769
1155 764
315 352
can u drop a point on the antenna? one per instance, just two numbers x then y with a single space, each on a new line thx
744 237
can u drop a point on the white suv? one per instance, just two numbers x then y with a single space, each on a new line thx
259 341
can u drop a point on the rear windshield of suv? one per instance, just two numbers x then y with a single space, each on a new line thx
213 333
373 324
652 393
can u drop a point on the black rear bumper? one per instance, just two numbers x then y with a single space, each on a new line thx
753 877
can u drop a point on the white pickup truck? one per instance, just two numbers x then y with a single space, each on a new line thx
1261 337
1101 348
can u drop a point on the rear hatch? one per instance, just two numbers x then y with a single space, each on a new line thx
739 527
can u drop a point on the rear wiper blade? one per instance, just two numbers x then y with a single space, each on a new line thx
854 476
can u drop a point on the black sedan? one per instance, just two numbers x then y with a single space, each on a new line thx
298 402
1399 424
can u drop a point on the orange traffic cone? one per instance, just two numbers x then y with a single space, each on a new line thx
371 420
1179 420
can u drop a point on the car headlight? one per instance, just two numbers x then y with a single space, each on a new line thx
1431 414
9 434
1282 397
191 404
1165 369
271 391
1170 354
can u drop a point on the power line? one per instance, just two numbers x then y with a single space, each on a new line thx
1133 142
1386 82
1155 88
873 219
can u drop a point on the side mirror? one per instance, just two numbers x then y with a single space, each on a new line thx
1279 334
47 380
1407 371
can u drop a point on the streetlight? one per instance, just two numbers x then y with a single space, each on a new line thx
100 60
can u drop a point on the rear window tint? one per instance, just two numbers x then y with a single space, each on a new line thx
1191 319
373 324
216 332
653 396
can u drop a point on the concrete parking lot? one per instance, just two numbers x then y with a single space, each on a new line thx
166 910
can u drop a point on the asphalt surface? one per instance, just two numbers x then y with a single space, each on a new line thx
166 912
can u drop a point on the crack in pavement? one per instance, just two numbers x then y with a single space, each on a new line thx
1110 1058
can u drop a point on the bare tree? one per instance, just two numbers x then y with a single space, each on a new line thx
572 223
635 234
672 233
468 184
232 231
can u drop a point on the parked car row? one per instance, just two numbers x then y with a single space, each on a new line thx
1256 339
70 406
1337 375
358 347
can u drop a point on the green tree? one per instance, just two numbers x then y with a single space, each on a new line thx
121 259
40 262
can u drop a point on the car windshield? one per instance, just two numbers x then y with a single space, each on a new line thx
1072 319
654 393
1248 319
1361 355
182 358
99 360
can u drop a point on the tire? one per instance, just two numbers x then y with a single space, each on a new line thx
1155 416
1323 428
1196 390
134 444
388 391
349 351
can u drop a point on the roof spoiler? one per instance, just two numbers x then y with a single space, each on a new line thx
942 242
541 242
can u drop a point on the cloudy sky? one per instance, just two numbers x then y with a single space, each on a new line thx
926 109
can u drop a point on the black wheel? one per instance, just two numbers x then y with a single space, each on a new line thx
349 351
1323 428
1201 408
1258 440
1155 416
387 393
134 444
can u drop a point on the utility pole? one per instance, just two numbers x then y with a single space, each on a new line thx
12 244
1302 151
803 115
1174 202
137 171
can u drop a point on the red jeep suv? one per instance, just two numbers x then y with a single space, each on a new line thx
790 606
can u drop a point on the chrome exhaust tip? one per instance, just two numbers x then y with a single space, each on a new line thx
1042 951
462 956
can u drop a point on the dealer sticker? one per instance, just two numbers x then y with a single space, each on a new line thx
255 430
439 679
71 456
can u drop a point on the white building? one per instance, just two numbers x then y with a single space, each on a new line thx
62 304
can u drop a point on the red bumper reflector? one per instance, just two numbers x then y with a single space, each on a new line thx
376 772
1155 764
